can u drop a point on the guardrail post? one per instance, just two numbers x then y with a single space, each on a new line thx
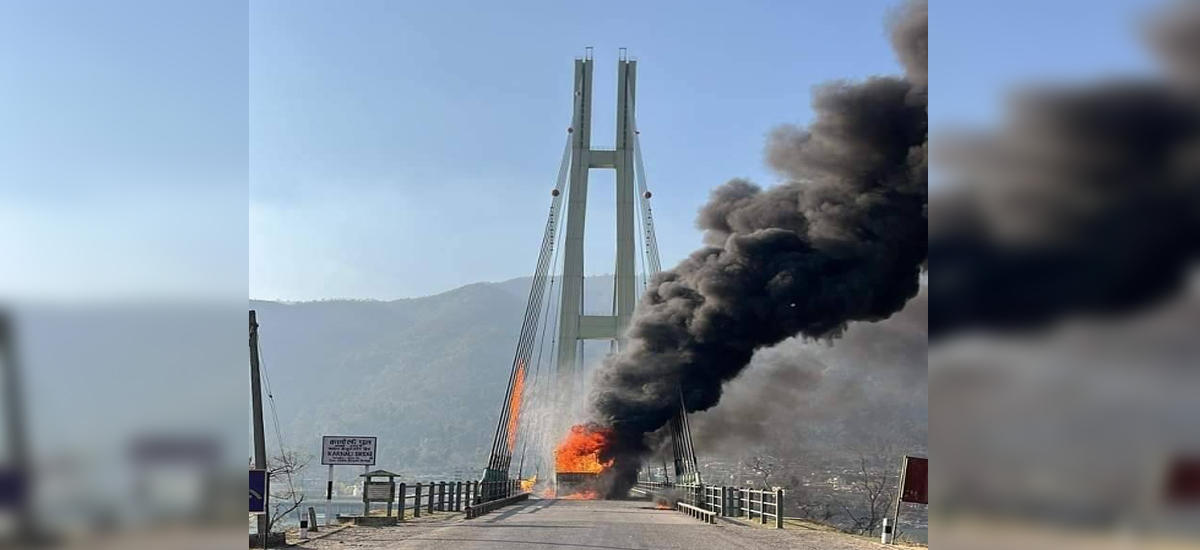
403 500
442 496
779 508
417 501
762 507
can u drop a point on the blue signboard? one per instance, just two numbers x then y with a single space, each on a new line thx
258 491
12 488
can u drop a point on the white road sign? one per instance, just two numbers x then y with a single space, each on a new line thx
340 450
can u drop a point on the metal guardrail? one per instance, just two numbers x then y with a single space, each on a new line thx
481 509
716 499
452 496
697 512
502 493
746 499
722 501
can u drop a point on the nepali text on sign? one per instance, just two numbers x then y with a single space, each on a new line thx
340 450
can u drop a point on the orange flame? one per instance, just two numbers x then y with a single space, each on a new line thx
582 495
580 452
527 484
514 405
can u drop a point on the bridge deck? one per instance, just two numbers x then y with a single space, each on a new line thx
583 525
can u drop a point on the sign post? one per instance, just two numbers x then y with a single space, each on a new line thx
344 450
329 498
914 487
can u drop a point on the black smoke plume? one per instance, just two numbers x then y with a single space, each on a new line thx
1086 201
859 387
842 240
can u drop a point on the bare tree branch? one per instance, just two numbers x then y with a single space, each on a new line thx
283 469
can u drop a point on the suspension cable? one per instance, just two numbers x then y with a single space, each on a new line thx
501 456
644 201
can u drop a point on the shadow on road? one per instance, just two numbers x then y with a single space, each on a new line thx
501 541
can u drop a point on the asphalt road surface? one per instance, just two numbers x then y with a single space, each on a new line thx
582 525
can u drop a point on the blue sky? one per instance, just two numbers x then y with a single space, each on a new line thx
404 148
981 50
396 148
123 149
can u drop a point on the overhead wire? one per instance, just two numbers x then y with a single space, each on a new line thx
265 376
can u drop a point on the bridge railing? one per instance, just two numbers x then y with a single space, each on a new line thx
697 512
452 496
761 505
716 499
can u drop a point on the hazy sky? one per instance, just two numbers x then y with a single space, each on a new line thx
398 148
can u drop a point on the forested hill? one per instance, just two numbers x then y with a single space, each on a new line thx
426 375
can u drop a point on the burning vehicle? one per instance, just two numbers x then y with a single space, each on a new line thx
578 467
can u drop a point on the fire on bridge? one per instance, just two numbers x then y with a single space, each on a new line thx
577 462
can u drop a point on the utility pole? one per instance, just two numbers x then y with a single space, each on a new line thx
20 471
256 409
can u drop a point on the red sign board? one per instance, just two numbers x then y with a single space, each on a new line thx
1183 481
914 485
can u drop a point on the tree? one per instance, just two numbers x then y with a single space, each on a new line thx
764 466
874 487
804 503
286 498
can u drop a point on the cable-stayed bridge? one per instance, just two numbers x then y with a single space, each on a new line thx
548 380
537 490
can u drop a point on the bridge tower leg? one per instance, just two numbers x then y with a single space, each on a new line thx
574 325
